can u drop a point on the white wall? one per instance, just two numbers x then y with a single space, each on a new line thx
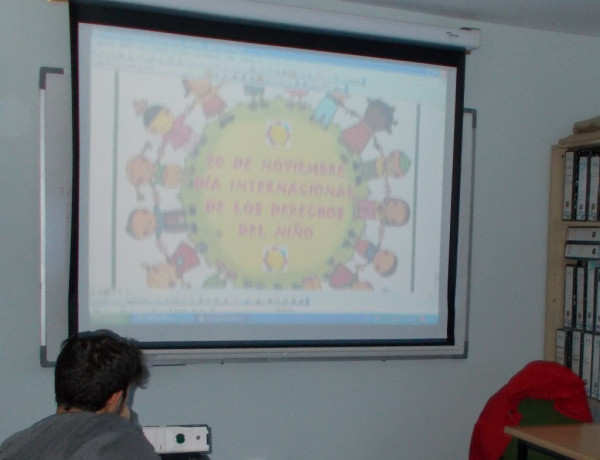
528 87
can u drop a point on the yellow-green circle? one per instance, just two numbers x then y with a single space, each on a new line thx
290 189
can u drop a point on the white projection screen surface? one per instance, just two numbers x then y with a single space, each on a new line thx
248 191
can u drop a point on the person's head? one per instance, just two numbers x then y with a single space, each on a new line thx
139 170
379 116
199 87
397 164
385 262
141 223
158 120
396 212
95 371
161 276
362 286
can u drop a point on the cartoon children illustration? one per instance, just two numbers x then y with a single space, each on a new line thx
219 279
384 261
296 99
362 286
327 108
206 94
160 276
378 116
169 273
342 277
140 172
393 212
215 281
143 222
173 131
312 283
256 91
394 165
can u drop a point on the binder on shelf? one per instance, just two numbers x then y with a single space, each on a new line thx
569 185
582 186
586 361
569 291
579 309
563 347
597 308
595 387
582 251
594 185
583 234
591 284
576 348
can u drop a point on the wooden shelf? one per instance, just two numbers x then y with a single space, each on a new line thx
557 232
581 140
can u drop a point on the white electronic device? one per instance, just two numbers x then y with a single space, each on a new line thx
178 438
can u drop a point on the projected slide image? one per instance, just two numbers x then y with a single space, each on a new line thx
262 185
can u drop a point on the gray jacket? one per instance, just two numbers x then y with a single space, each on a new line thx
79 436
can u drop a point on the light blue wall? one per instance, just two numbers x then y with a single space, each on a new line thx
528 87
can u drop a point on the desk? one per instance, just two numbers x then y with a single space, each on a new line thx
580 441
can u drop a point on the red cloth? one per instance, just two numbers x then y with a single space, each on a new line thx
539 380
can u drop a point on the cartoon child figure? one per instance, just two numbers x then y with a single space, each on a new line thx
219 279
169 273
173 131
256 91
206 94
296 99
140 172
143 222
343 278
394 165
327 108
362 286
160 276
378 116
215 281
312 283
384 261
394 212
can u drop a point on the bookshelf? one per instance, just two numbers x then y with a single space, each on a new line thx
557 233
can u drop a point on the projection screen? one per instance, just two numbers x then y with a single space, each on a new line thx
249 190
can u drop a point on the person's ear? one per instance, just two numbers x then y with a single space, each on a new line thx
114 404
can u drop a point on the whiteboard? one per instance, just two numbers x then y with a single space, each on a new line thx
56 158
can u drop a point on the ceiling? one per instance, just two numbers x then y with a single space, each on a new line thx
580 17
